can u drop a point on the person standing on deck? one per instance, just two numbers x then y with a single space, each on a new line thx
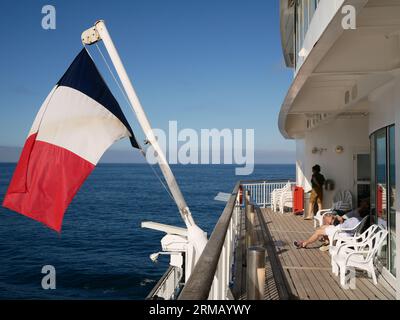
317 193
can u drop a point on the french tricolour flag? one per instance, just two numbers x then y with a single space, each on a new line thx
76 124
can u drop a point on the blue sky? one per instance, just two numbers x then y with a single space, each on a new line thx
206 64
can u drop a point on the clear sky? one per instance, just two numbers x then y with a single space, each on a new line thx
206 64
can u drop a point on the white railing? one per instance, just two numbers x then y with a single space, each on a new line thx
223 278
167 287
260 191
213 275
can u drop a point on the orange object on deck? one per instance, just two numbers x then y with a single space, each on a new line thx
298 200
379 201
240 195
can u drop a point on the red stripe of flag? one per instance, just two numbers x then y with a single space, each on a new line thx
45 180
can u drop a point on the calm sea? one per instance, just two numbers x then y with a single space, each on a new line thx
102 253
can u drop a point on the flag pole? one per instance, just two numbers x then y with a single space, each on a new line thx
99 32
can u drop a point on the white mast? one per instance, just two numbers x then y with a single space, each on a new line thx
99 32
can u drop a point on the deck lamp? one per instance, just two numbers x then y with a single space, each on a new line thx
339 149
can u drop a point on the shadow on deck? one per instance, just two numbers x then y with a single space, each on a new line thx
299 274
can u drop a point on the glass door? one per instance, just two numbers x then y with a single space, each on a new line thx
381 188
362 177
392 199
383 191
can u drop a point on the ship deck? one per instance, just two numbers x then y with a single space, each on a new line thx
300 274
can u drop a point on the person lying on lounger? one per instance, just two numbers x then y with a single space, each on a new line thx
363 207
333 223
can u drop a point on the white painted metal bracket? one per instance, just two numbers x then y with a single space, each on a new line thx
164 228
90 36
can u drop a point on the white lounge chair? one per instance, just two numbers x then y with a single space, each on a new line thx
344 233
343 200
274 199
276 196
286 199
359 256
357 238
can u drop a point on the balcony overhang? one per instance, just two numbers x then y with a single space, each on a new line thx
344 67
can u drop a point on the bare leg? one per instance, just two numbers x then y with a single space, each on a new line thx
315 236
310 212
319 201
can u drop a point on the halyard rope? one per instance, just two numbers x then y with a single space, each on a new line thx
142 151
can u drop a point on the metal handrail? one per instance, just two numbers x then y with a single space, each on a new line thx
200 282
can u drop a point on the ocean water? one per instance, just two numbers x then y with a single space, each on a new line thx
102 253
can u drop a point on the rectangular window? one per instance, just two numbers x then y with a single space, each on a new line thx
304 11
381 187
300 24
306 7
373 182
363 177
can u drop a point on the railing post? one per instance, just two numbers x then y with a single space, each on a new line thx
255 273
222 275
265 194
249 222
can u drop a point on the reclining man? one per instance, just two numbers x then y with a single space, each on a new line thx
333 223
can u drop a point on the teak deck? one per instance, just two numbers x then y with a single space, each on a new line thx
303 274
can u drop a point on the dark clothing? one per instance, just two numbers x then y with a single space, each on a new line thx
317 181
317 194
340 213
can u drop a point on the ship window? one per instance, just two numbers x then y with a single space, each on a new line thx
304 11
383 191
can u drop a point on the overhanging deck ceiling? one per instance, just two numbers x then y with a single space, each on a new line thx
345 66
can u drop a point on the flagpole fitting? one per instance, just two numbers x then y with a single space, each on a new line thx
91 35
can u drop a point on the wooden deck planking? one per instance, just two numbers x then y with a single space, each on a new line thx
307 272
299 280
303 277
293 235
